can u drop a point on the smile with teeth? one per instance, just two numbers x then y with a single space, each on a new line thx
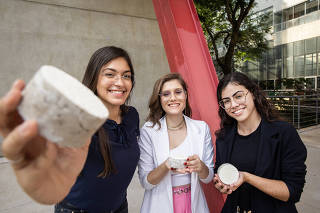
116 91
174 105
239 111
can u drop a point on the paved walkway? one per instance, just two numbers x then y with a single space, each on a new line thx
310 199
13 200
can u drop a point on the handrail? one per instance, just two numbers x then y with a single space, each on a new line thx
299 110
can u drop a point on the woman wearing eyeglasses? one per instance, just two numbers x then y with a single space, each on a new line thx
169 131
268 153
95 177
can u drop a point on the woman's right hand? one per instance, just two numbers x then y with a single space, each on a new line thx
223 188
45 170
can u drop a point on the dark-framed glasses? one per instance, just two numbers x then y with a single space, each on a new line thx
239 97
167 94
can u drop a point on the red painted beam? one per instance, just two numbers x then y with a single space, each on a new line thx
188 54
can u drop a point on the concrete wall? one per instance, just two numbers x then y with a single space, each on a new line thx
65 33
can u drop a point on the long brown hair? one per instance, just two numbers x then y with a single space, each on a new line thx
264 107
155 109
101 57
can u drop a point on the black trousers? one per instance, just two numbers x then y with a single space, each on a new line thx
65 207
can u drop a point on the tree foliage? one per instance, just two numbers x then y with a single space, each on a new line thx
234 32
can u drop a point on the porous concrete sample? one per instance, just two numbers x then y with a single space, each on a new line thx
67 112
177 162
228 173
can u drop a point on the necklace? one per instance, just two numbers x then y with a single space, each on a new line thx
179 126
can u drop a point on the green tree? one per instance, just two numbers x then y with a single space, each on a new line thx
234 32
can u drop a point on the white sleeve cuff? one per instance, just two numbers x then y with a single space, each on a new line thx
209 177
147 185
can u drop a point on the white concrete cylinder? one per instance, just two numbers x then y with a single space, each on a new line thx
228 173
67 112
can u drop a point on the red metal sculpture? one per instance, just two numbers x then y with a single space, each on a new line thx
188 54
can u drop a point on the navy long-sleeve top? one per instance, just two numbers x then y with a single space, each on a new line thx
96 194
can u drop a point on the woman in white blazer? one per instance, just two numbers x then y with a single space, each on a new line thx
169 133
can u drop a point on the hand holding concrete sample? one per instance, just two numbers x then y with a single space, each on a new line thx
65 110
228 173
45 170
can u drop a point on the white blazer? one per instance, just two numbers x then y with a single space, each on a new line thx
154 150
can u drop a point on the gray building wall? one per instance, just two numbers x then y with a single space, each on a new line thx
65 33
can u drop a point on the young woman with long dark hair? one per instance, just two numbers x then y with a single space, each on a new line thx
268 152
95 177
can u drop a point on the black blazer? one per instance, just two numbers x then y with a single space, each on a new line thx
281 156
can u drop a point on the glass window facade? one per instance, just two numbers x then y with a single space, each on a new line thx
311 6
287 14
299 10
277 18
299 66
318 44
288 67
296 15
311 45
296 60
298 48
311 64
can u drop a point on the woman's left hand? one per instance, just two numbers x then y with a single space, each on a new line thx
194 164
239 182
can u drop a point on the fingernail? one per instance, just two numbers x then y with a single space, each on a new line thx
187 167
187 159
15 83
24 128
185 163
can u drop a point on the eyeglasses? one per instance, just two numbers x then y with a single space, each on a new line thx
178 93
239 97
116 76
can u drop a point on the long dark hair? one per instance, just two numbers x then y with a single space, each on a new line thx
155 109
90 79
263 106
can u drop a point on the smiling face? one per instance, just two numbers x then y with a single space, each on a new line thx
114 83
173 97
242 107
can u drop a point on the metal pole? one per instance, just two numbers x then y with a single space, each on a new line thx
293 110
317 104
298 112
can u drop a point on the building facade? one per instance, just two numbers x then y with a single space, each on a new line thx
293 60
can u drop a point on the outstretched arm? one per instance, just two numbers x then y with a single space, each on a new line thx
44 170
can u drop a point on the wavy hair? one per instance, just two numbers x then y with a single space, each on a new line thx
100 58
155 109
263 106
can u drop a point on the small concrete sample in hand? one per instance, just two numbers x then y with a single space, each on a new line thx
228 173
177 162
67 112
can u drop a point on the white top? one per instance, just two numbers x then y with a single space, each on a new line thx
184 149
